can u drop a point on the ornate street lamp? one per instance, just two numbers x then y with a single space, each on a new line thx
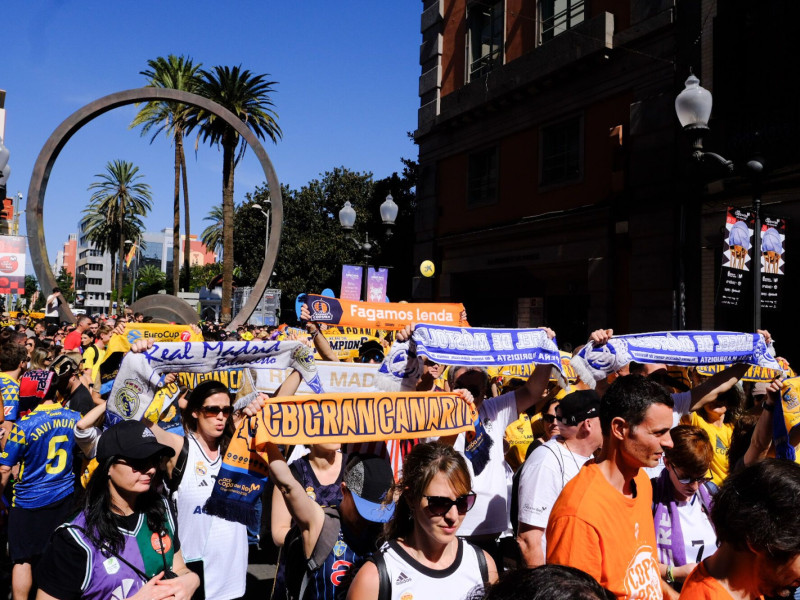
693 108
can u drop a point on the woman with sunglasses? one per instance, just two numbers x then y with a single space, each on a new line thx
211 545
422 555
682 499
123 543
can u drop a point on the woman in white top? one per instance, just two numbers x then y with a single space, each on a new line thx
682 498
423 557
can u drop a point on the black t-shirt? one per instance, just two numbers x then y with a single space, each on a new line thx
62 568
80 400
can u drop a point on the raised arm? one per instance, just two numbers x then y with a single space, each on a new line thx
532 393
320 341
308 515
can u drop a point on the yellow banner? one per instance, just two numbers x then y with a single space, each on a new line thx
346 345
525 371
15 314
754 373
340 418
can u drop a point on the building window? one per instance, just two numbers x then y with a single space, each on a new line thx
559 15
92 281
95 267
483 177
561 152
486 26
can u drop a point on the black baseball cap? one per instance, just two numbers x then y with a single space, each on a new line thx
130 439
578 406
369 478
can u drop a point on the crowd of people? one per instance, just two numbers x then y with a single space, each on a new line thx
657 482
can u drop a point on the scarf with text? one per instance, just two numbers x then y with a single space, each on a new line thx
139 374
486 347
683 348
327 418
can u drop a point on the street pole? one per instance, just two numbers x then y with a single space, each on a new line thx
756 168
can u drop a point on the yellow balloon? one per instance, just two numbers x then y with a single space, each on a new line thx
427 269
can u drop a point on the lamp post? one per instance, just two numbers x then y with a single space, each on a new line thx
347 219
693 107
266 216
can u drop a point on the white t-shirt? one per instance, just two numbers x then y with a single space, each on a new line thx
490 512
51 306
698 532
221 544
543 476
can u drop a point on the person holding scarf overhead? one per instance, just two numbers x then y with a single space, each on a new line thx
682 498
483 449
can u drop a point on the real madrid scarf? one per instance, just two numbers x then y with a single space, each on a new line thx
139 374
683 348
327 418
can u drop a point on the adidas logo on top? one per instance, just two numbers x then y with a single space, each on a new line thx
147 433
402 578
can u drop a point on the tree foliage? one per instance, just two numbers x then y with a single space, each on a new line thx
179 73
313 245
65 282
248 96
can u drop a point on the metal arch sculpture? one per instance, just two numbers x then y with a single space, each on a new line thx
62 134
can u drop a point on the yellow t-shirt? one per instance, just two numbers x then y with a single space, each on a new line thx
720 442
519 436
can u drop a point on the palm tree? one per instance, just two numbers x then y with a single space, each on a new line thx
174 72
212 235
247 96
114 213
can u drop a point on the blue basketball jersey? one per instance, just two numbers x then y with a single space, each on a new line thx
9 390
322 583
42 442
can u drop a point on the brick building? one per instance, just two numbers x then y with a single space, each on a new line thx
555 184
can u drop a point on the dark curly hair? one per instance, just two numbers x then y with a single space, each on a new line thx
756 509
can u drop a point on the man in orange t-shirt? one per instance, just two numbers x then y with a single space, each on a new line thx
602 522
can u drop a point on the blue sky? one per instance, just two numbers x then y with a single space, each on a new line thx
347 76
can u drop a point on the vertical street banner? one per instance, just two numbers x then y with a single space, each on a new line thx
376 284
12 264
351 282
773 261
736 276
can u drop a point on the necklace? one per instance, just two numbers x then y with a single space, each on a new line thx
572 454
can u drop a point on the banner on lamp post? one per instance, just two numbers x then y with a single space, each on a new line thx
376 284
773 261
736 277
351 282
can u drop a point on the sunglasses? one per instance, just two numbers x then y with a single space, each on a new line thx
372 356
213 411
550 419
690 480
439 505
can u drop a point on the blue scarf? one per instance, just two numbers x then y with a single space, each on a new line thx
486 347
682 348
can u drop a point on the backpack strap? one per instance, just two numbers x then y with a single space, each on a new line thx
384 583
180 466
482 564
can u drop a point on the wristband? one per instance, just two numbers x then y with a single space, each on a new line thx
767 407
315 334
669 578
